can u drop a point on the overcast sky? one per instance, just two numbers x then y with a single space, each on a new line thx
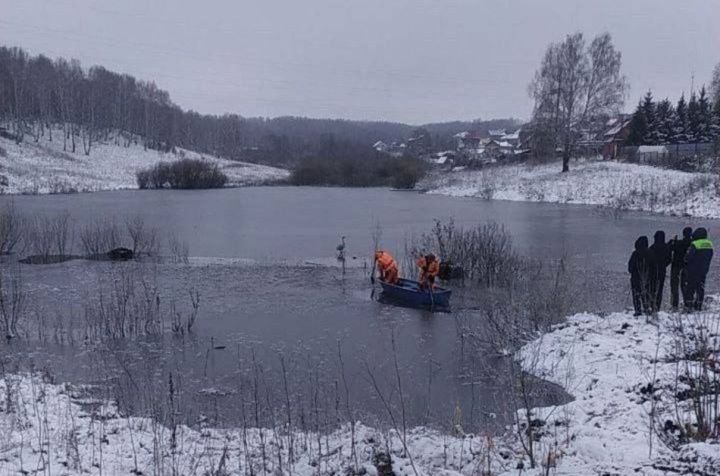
403 60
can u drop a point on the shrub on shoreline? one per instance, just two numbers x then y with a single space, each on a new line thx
182 174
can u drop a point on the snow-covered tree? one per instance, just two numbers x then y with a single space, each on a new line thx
638 127
715 123
704 117
693 119
575 83
652 134
680 129
665 116
715 85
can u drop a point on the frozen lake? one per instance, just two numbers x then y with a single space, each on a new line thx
286 299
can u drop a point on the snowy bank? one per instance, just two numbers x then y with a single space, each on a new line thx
43 166
625 375
621 370
620 186
53 429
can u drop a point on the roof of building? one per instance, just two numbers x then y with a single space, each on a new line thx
512 136
616 127
500 143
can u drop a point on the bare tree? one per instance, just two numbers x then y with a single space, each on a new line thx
715 85
11 228
576 85
144 239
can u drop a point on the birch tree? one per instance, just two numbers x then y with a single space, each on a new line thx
575 85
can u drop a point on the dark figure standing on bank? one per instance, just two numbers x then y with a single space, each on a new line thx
642 272
662 257
678 275
697 264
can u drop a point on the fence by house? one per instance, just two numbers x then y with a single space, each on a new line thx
697 156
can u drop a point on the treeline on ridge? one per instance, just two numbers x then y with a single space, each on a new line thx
38 94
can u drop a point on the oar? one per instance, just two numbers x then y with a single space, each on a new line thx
372 279
432 298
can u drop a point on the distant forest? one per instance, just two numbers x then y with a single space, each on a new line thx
89 105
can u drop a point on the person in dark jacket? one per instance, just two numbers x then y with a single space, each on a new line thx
697 265
662 257
642 270
678 276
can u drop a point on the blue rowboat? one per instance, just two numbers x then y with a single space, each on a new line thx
408 291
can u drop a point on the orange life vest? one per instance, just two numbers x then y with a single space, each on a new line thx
428 268
388 266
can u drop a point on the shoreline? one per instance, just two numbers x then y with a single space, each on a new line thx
614 186
44 168
618 369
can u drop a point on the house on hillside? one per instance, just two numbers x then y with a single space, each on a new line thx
512 138
395 149
602 137
445 158
380 146
615 135
496 134
495 149
466 141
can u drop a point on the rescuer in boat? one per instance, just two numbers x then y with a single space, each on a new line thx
429 269
387 267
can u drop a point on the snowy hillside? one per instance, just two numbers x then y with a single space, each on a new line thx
43 167
620 186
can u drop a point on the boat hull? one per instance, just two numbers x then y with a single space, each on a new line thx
409 292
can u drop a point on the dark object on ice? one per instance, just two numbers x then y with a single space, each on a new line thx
641 267
120 254
215 346
6 134
47 259
678 276
697 265
449 271
662 257
409 292
623 328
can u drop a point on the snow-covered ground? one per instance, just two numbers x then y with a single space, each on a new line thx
43 167
620 186
605 362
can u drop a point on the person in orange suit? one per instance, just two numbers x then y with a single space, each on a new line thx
429 269
387 267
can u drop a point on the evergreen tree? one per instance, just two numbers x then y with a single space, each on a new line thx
648 108
638 126
704 117
665 116
693 119
680 129
715 123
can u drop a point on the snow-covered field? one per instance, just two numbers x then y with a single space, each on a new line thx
605 362
620 186
43 167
